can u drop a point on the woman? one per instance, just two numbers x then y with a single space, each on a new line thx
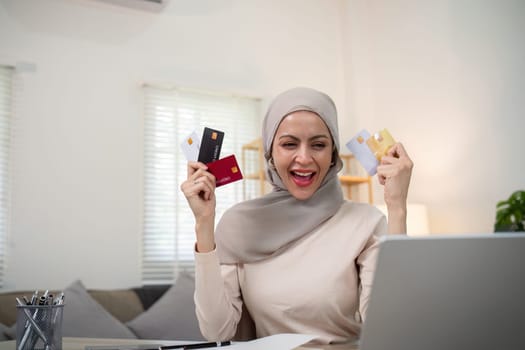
299 259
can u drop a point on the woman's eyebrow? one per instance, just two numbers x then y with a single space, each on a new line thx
315 137
321 136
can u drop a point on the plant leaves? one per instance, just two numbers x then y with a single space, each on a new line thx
510 213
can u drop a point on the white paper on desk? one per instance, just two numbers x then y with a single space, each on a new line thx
274 342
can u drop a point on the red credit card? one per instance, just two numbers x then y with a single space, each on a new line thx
225 170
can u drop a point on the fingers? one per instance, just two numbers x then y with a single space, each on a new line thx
393 166
397 151
194 166
394 163
203 187
200 182
394 174
397 155
388 171
198 189
381 178
197 171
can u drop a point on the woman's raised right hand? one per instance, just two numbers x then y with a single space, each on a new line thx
199 190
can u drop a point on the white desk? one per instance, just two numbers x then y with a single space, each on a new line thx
80 343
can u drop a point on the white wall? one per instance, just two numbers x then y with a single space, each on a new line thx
76 200
447 78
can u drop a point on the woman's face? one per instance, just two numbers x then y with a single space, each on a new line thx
302 153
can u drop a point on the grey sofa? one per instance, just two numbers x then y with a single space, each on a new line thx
147 312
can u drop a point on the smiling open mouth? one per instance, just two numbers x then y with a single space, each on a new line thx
302 178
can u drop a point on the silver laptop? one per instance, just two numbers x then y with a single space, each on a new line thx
447 293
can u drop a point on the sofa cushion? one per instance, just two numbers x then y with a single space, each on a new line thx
124 304
172 316
5 333
149 294
8 307
84 317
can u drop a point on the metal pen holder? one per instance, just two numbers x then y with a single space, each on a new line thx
39 327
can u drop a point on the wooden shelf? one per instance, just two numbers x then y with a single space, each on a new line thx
349 181
251 176
253 146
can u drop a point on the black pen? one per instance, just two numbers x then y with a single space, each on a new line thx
197 345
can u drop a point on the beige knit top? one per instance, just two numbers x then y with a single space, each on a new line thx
319 285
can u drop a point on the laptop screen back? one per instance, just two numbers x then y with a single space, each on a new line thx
448 292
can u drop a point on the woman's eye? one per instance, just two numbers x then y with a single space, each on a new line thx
288 144
318 145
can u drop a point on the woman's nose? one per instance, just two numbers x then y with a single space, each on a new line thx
303 155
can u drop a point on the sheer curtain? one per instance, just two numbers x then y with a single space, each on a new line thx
171 114
6 91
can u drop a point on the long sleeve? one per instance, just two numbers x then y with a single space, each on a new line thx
367 262
217 297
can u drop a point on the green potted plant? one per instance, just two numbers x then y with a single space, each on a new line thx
510 214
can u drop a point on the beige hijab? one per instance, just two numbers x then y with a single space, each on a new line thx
263 227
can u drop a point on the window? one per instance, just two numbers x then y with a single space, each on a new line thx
5 137
169 116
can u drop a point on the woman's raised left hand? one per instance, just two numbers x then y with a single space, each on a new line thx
394 173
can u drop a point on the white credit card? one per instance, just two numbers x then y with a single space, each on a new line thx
359 147
190 146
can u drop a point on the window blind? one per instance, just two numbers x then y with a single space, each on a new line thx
169 116
6 74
